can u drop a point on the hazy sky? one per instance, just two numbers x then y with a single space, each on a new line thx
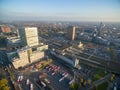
63 10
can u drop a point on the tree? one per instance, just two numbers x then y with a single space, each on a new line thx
3 81
112 77
74 86
111 52
5 88
84 83
94 87
81 80
88 81
3 84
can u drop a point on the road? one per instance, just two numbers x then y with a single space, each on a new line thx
98 82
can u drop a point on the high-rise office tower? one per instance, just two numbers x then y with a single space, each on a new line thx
29 36
71 33
100 28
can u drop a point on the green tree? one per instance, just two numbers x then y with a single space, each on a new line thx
74 86
84 83
88 81
3 84
111 52
3 81
5 88
112 77
81 80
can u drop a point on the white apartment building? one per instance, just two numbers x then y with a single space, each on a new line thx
29 36
26 55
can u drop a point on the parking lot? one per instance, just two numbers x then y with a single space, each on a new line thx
51 77
59 78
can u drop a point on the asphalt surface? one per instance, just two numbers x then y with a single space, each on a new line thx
63 85
54 79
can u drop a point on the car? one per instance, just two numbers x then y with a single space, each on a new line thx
58 67
50 69
18 79
53 73
31 86
42 75
48 87
115 88
47 81
27 82
55 70
71 81
61 79
44 85
55 66
41 83
47 67
64 73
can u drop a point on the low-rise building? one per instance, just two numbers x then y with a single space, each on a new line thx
26 55
13 42
5 29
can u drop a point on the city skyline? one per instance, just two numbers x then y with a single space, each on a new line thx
60 10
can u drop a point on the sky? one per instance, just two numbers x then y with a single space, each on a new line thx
60 10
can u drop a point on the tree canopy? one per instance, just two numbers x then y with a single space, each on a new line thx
4 84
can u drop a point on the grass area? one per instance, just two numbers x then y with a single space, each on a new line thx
103 86
99 74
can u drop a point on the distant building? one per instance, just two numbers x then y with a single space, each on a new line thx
101 41
100 28
5 29
80 45
70 33
29 36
